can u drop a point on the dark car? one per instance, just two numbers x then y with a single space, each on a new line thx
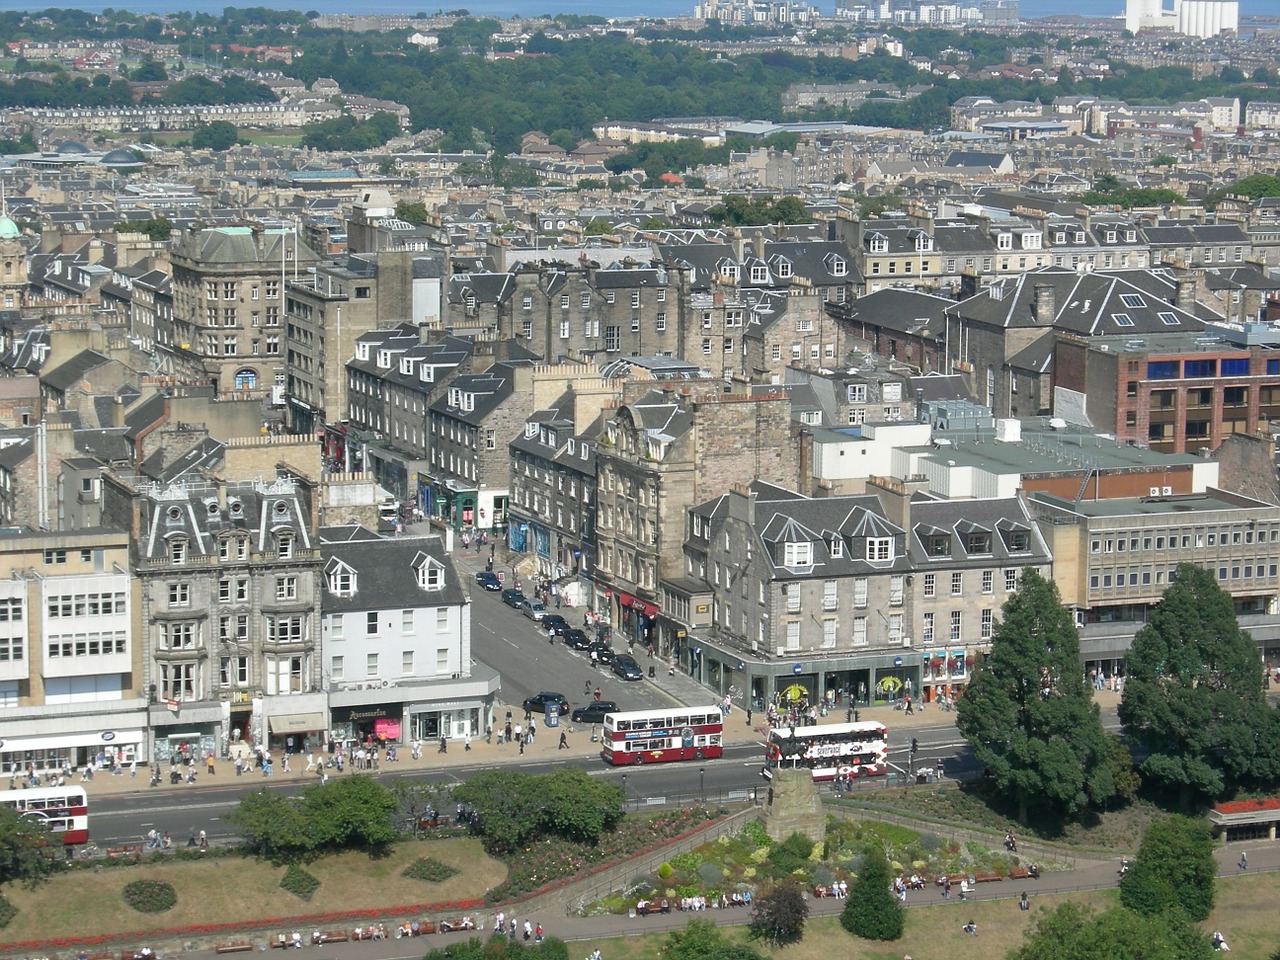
512 598
576 640
488 580
625 666
554 624
594 712
538 702
604 653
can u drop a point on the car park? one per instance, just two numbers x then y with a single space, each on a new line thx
512 598
533 609
489 580
593 712
554 624
575 639
538 702
604 653
625 666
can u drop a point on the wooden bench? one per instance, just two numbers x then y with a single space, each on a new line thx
337 936
100 955
1019 873
426 926
128 851
280 940
988 876
236 946
955 879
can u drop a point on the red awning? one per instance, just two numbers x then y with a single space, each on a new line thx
650 610
624 599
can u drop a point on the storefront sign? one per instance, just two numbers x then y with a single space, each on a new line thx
797 668
108 736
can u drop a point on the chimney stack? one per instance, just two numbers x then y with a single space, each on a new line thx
1185 299
1044 305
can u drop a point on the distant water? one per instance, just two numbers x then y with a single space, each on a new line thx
1030 9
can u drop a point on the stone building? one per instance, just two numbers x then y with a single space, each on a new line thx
229 590
662 451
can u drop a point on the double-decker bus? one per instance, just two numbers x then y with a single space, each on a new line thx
63 810
828 751
659 736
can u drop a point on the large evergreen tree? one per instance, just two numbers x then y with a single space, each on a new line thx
1174 872
871 911
1074 931
1027 714
1193 696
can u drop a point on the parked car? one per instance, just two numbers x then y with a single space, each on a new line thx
625 666
533 609
512 598
538 702
575 639
594 712
488 580
604 653
554 624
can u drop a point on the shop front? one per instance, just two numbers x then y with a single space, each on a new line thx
50 752
944 674
835 681
295 733
384 722
635 619
192 728
450 719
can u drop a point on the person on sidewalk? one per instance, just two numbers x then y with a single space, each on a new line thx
564 741
444 745
1244 861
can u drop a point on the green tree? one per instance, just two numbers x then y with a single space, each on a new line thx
1256 187
695 941
25 847
778 915
413 212
871 911
150 71
274 827
1027 715
1174 871
1074 932
218 135
157 228
354 811
1193 696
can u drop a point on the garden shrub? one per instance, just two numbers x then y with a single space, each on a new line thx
7 911
428 869
709 873
755 833
821 875
687 862
791 854
930 842
665 871
300 883
798 845
150 896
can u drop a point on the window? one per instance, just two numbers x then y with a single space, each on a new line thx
660 322
430 576
956 620
284 546
793 635
1132 300
284 629
828 634
828 594
179 594
337 668
986 624
860 592
926 628
930 585
1122 320
1169 319
233 671
988 581
859 631
957 584
178 680
857 392
896 590
286 588
371 665
797 554
177 551
342 582
879 549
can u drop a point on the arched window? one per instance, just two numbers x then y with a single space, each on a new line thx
246 379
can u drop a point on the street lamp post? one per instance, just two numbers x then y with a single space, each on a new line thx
624 791
702 782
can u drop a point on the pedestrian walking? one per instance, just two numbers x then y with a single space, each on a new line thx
946 888
204 840
537 933
564 741
1244 861
444 745
511 928
239 765
1022 902
528 930
208 763
522 748
466 743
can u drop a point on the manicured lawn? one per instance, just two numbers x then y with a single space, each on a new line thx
90 902
1246 915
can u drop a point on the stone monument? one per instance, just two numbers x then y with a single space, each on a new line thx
792 806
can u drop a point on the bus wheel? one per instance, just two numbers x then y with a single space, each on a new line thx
699 755
637 759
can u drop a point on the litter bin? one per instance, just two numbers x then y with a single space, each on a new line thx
651 674
921 778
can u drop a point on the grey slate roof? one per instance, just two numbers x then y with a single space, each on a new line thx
385 572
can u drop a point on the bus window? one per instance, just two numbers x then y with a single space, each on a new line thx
680 721
714 739
624 724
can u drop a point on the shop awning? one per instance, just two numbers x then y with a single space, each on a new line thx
650 610
624 599
297 722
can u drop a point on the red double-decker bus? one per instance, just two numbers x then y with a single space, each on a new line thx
661 736
63 810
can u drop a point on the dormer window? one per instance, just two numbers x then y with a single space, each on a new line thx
879 244
1059 237
797 554
427 373
879 549
430 574
977 542
341 579
783 267
839 267
759 273
1111 236
178 551
938 545
731 271
1130 236
362 351
406 365
1017 539
1079 236
470 301
384 359
1004 241
924 243
284 546
837 547
1031 240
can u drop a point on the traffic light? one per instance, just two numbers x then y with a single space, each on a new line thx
915 745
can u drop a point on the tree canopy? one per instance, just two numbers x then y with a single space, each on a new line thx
156 228
871 911
1027 715
218 135
1174 871
25 848
1073 931
353 812
1193 696
778 915
512 808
